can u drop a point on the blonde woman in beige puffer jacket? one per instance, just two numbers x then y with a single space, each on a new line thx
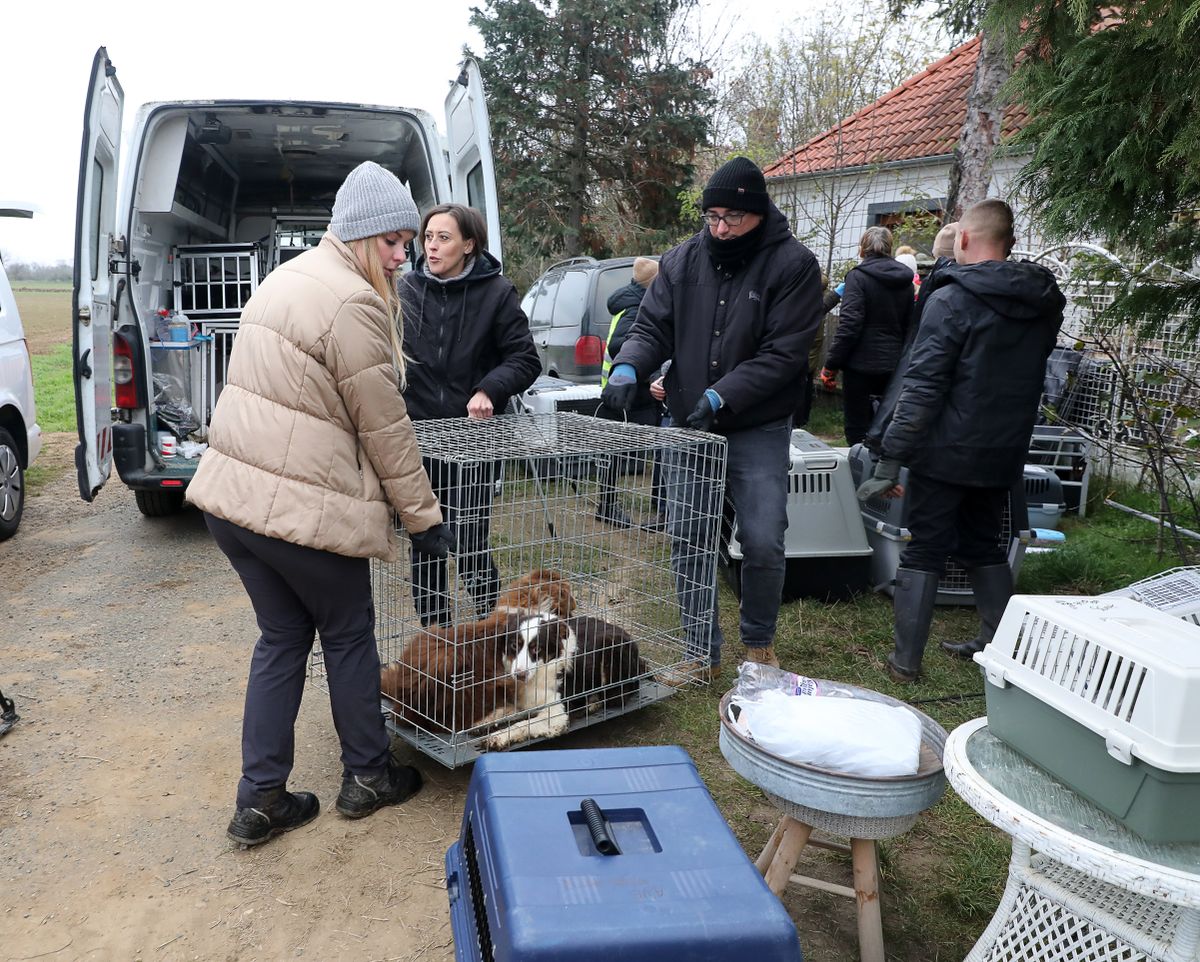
310 451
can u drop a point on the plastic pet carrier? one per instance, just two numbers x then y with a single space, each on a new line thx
548 395
593 856
886 520
1043 497
1175 592
1103 693
827 552
1064 451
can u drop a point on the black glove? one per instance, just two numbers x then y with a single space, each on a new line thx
437 541
885 477
701 419
619 392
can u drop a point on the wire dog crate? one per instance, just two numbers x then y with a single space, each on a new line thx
547 617
215 280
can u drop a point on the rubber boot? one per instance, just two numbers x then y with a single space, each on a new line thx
993 587
913 601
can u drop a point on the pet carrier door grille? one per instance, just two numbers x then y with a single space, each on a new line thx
608 529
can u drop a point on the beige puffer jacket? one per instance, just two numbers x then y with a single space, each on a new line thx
310 440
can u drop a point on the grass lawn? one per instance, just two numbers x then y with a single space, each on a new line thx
942 880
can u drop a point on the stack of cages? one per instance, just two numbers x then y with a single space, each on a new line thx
212 284
547 617
1175 592
827 553
885 521
1104 695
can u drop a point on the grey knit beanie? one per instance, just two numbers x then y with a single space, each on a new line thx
372 201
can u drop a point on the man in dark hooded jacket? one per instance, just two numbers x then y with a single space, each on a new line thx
962 426
735 307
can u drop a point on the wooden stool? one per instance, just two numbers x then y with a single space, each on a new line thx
779 858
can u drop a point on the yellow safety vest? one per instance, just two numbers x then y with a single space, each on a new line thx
607 363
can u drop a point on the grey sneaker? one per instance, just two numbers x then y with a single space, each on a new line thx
363 794
280 811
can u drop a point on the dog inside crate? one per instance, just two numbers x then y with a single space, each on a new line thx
545 618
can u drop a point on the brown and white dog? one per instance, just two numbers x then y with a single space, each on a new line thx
538 656
459 677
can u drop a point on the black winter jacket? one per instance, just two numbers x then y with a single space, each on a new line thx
744 332
464 336
971 391
877 307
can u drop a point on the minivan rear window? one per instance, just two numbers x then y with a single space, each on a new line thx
543 290
607 284
571 303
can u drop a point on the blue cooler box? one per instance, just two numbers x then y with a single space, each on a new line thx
529 881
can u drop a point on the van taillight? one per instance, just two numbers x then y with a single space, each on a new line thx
124 373
589 350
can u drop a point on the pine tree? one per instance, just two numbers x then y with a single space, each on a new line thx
594 122
1115 133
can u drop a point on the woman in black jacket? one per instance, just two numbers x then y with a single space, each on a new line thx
877 306
469 351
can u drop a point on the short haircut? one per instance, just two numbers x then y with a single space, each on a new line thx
470 223
992 222
943 244
876 240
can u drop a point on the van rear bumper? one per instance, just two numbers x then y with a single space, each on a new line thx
138 469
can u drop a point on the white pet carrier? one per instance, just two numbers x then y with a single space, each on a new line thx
1175 592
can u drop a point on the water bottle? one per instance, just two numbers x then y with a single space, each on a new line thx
754 678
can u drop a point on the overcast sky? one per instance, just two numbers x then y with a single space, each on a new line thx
218 50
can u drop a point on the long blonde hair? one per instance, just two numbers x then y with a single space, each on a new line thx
366 252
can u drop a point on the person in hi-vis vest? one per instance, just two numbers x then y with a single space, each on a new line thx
623 305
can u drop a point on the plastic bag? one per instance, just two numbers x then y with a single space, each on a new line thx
851 735
172 404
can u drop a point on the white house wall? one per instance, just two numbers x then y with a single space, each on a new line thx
808 202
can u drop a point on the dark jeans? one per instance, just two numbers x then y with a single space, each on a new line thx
465 492
952 520
298 592
859 392
756 478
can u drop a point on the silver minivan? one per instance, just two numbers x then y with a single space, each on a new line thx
20 435
214 194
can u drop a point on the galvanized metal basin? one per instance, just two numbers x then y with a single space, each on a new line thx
854 806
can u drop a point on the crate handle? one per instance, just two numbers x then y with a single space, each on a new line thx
598 827
1119 746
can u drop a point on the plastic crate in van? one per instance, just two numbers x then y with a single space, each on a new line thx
885 521
651 872
1103 693
1175 592
828 556
215 280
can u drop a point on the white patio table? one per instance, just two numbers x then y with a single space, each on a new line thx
1080 885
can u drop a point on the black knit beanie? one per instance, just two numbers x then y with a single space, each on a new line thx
738 184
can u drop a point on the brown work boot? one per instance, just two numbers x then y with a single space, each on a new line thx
698 672
762 655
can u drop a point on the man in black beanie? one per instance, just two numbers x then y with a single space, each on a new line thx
735 308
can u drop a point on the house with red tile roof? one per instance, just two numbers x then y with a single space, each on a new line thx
889 163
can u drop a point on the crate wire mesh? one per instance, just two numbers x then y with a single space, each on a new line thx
1175 592
215 280
528 493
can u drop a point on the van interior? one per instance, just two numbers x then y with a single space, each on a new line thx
225 192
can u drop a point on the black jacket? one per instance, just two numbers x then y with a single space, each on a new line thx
971 390
629 300
877 307
464 336
744 332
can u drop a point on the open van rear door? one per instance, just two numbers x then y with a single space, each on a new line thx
472 174
94 299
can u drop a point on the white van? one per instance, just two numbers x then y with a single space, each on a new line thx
214 195
20 436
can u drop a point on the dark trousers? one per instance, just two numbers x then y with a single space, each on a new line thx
859 393
465 492
609 475
756 479
298 592
952 520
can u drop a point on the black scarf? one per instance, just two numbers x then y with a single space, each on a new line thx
735 253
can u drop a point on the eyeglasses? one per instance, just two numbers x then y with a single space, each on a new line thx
733 219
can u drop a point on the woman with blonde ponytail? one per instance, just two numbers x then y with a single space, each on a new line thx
310 451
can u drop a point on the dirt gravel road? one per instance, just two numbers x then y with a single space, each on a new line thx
125 643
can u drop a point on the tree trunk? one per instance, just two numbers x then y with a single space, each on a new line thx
971 171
